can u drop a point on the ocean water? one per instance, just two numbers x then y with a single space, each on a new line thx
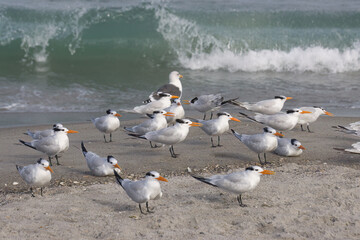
88 56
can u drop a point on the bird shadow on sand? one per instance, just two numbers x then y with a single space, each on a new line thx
116 206
240 157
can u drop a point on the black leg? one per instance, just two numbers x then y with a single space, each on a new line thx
219 145
308 128
172 152
259 159
265 159
50 161
105 138
211 115
141 209
41 190
204 116
212 143
147 208
32 193
110 137
302 129
240 201
57 160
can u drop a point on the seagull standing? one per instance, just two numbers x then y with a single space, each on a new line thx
142 191
100 166
52 145
216 127
260 143
289 147
43 133
237 182
315 113
38 174
108 123
269 106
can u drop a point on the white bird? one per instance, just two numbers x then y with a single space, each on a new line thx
171 135
237 182
43 133
52 145
178 111
142 191
280 121
157 122
207 103
163 102
100 166
314 114
38 174
260 143
108 123
289 147
269 106
216 127
174 87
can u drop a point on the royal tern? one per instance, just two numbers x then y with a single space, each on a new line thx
260 143
38 174
207 103
174 87
43 133
269 106
237 182
353 128
108 123
314 114
280 121
157 122
216 127
289 147
177 109
100 166
156 105
170 135
142 191
52 145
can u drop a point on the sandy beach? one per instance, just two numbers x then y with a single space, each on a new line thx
314 196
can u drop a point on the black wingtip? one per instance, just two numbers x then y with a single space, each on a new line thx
118 178
204 180
26 144
83 148
233 131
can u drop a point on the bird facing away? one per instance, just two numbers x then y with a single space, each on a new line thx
315 113
289 147
174 87
43 133
171 135
163 102
37 175
177 109
218 126
142 191
52 145
260 143
108 123
207 103
237 182
269 106
100 166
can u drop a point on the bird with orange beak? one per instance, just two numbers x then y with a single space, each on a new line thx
237 182
315 113
108 123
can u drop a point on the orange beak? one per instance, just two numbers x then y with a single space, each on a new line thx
278 134
162 179
175 96
235 119
169 114
301 147
288 98
186 102
303 112
48 168
72 131
329 113
195 124
180 76
267 172
117 115
117 166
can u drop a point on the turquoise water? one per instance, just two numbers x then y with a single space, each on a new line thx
86 56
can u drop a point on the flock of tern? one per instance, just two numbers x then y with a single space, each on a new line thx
167 125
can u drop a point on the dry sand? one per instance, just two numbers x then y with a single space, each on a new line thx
314 196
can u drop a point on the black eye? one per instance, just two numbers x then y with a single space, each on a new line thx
256 169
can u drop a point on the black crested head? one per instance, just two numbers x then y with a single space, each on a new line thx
293 140
279 97
56 129
180 121
163 94
149 174
156 112
290 111
39 161
266 129
108 111
221 114
109 157
249 168
194 99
